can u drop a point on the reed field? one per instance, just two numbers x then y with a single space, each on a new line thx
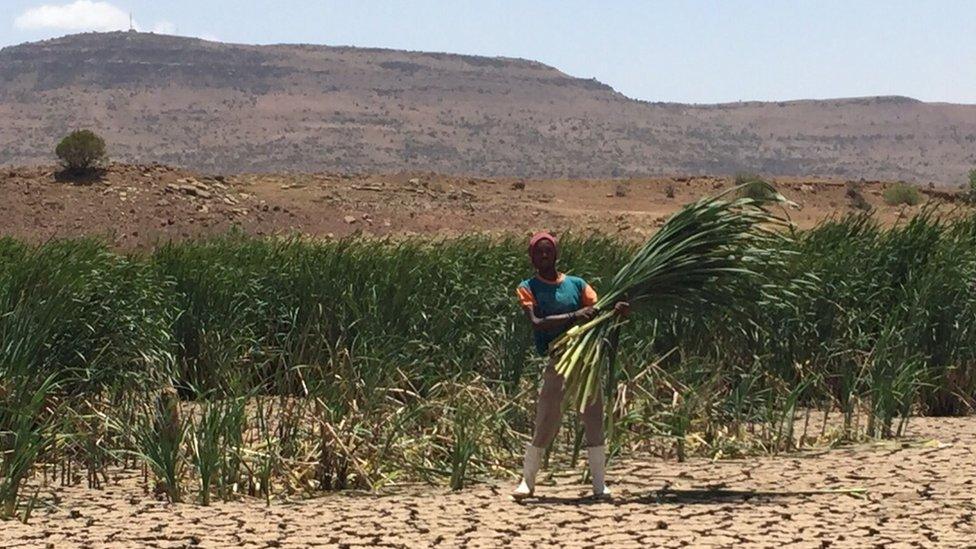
239 367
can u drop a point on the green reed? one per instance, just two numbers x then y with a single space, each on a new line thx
301 366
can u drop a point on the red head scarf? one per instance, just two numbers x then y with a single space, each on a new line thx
539 237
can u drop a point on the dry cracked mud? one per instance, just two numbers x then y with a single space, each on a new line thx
917 491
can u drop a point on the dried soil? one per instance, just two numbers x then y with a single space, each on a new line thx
138 206
917 492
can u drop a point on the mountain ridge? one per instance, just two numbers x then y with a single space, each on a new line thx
236 108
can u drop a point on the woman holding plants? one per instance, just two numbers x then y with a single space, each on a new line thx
554 302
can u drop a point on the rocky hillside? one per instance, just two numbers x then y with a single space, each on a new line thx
238 108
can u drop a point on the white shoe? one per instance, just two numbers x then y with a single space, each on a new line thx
530 466
597 458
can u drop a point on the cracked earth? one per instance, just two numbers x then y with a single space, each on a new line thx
913 492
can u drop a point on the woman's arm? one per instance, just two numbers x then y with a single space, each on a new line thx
555 321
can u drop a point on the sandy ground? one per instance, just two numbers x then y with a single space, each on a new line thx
138 206
917 492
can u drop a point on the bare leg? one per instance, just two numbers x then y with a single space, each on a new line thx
593 422
548 414
596 451
549 409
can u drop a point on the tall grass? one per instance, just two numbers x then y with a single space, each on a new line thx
215 445
304 366
159 440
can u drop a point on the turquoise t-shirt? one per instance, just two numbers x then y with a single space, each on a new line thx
548 297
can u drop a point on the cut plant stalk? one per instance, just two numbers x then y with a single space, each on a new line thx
704 256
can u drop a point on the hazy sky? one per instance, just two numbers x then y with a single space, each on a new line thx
680 50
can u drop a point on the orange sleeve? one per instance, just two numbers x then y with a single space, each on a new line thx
589 296
526 299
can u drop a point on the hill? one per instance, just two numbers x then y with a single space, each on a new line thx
241 108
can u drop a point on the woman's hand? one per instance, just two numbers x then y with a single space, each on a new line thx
622 308
586 313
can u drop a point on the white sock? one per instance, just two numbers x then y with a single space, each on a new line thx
597 458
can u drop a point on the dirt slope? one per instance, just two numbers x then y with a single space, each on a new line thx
136 206
239 108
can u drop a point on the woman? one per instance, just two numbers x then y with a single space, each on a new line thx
553 302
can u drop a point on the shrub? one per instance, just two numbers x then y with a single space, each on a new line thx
754 186
902 193
858 201
81 151
972 185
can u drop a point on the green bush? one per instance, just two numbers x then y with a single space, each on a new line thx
902 193
972 185
754 186
81 151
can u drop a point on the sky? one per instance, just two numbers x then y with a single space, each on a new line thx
690 51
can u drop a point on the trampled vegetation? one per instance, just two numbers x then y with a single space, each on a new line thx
237 366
